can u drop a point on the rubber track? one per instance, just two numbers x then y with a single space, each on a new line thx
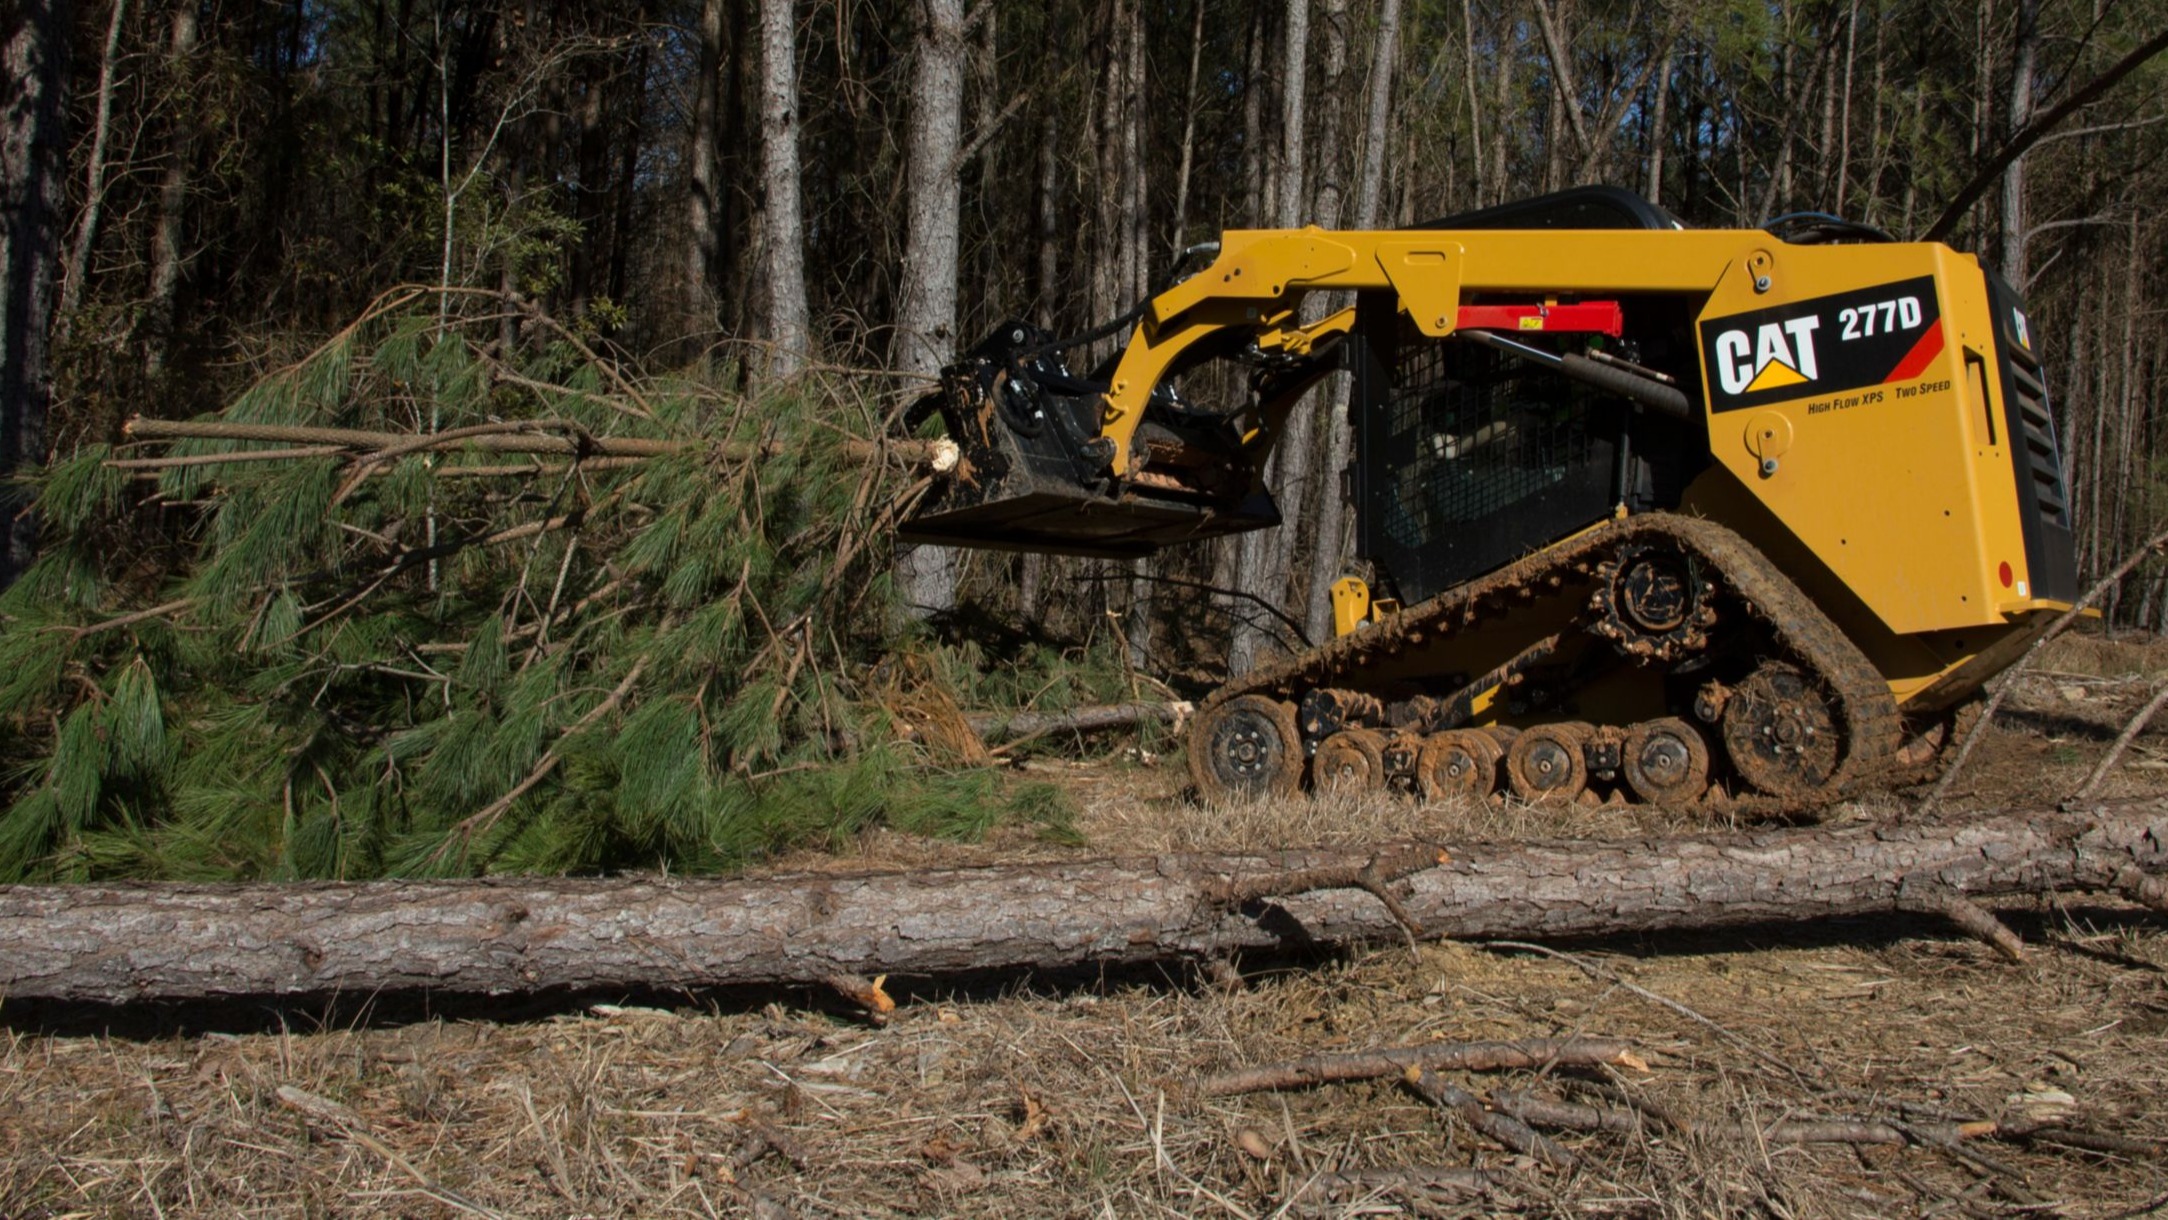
1865 705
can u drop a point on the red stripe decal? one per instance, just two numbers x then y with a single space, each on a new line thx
1921 355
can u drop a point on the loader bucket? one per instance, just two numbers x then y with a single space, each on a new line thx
1032 471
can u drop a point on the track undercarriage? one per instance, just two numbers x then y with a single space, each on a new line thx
1657 658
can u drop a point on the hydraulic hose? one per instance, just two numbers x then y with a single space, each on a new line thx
1648 392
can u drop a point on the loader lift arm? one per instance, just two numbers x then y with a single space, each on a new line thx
1125 465
1260 277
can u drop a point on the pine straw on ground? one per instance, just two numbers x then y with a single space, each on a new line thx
1074 1102
1069 1099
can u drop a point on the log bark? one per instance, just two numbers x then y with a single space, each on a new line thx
119 943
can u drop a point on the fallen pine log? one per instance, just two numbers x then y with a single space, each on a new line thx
119 943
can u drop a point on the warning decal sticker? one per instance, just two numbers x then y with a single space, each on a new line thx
1869 336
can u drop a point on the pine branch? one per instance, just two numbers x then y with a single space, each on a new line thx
127 620
482 820
220 459
528 436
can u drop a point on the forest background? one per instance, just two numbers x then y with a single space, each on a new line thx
611 302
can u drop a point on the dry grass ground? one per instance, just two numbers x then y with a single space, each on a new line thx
1076 1099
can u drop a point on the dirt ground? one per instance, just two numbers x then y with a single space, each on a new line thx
1080 1099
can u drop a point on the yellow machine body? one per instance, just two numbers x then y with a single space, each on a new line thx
1903 489
1868 416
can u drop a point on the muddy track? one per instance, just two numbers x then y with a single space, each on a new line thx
1865 709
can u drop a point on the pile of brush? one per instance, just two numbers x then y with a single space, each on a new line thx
454 593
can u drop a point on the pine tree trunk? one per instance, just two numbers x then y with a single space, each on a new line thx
1565 99
626 187
1659 104
1914 131
33 156
158 312
703 196
1032 567
926 313
1825 150
1836 203
1329 554
1189 132
1261 558
1310 482
2013 178
1877 159
1254 176
1502 109
1294 70
591 157
86 228
1046 288
737 236
122 944
783 225
1137 633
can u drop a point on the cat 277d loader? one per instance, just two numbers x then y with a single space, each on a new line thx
1646 512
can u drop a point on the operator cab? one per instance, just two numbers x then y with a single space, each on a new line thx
1468 457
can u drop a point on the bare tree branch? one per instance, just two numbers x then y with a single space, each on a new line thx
2034 131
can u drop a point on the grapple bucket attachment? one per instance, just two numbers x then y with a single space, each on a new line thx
1032 474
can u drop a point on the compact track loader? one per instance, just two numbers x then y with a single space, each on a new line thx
1645 512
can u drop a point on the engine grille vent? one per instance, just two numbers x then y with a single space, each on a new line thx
2042 458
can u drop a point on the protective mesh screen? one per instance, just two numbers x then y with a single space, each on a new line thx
1470 432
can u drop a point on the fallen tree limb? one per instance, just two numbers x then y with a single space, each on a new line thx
117 943
527 436
2003 685
1423 1182
1020 726
1616 1120
1573 1116
1004 726
1438 1057
1497 1124
2131 728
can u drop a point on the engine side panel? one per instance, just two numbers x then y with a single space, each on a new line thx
1856 393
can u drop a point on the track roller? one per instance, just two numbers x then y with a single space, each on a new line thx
1351 760
1781 731
1545 762
1403 759
1666 762
1246 747
1460 762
